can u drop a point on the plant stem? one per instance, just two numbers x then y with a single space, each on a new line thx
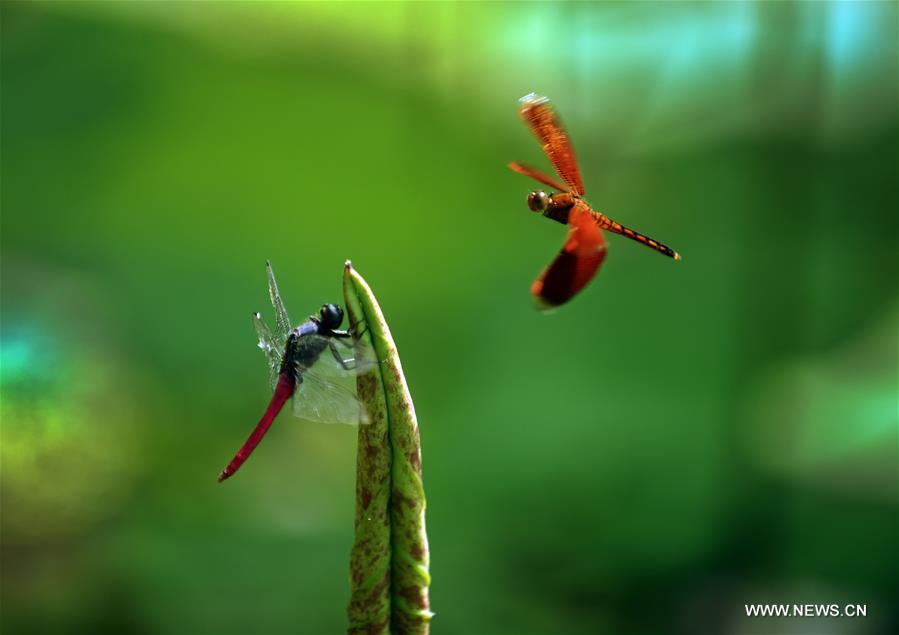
389 560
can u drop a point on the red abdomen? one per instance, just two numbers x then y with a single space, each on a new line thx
283 391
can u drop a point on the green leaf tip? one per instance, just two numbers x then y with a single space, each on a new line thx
389 561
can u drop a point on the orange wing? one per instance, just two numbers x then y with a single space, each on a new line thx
576 264
540 116
537 175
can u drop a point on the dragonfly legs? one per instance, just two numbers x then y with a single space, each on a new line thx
346 364
345 338
362 332
351 332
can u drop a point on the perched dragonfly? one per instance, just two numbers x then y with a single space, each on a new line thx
585 247
311 363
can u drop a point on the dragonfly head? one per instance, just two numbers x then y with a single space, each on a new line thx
331 316
538 201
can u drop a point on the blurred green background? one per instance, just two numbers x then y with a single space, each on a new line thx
680 440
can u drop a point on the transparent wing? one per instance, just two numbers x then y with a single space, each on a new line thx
341 357
332 400
282 322
272 348
326 391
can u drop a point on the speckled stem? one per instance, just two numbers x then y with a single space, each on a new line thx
389 562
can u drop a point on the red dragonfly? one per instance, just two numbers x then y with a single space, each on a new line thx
312 363
585 247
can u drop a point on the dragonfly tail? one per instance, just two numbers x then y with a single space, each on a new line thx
283 391
618 228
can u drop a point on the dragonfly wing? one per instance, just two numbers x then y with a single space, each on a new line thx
537 175
323 400
576 264
356 356
282 322
540 117
326 391
270 346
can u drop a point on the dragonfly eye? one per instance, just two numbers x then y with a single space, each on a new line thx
331 316
537 201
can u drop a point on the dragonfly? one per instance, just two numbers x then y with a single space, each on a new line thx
314 363
585 248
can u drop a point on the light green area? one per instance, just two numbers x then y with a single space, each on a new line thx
679 439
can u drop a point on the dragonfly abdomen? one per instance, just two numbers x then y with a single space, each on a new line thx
607 223
283 391
559 208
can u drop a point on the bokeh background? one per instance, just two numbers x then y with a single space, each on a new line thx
680 440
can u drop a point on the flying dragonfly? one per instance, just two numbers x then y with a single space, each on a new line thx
313 363
585 247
